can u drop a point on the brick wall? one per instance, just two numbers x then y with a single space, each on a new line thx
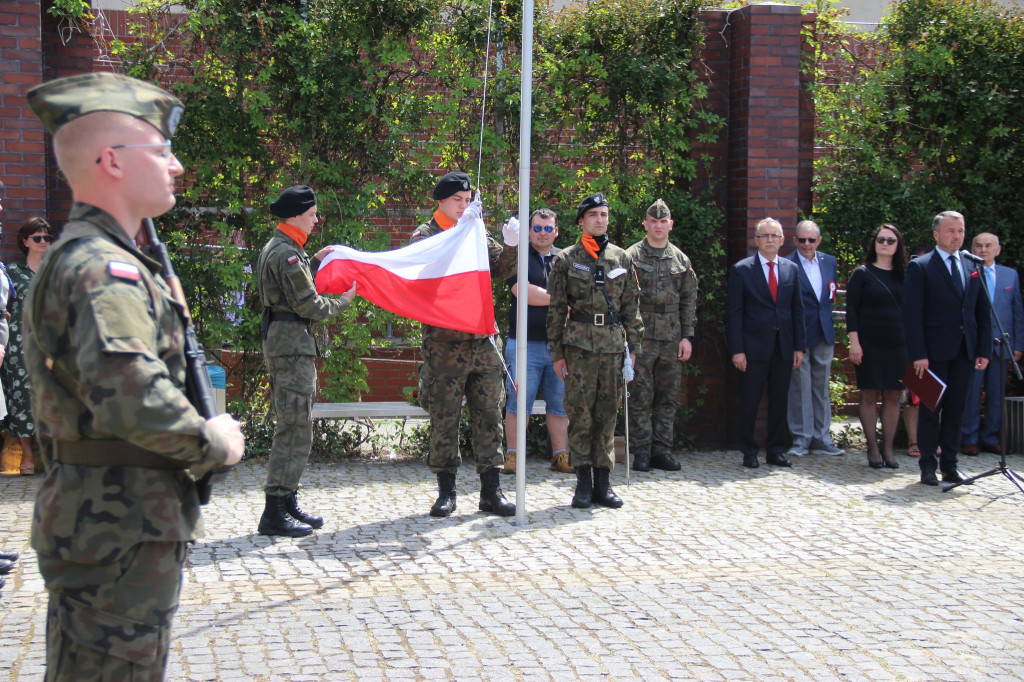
761 164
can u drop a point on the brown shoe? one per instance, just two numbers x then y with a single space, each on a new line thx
994 448
560 463
510 463
970 449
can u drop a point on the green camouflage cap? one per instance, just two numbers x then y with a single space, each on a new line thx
659 210
65 99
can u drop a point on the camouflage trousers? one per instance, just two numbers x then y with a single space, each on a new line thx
593 391
292 389
450 370
112 621
653 397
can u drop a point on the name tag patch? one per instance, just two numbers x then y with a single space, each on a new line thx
125 271
581 266
617 272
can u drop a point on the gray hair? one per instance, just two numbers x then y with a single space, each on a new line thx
765 222
937 220
807 225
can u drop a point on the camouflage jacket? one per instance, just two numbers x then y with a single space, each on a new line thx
572 287
503 264
284 272
668 291
104 348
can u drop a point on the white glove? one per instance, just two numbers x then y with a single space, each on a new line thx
510 231
475 210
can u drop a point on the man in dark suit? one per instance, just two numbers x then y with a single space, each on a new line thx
948 326
765 332
1004 294
810 405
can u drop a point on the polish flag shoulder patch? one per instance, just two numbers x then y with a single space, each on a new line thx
125 271
292 260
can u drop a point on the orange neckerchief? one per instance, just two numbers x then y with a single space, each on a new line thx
591 246
443 221
295 233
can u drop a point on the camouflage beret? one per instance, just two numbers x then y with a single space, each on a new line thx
591 201
63 100
659 210
450 183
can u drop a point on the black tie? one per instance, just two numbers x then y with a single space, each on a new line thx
547 263
954 272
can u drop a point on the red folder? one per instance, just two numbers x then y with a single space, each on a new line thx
929 388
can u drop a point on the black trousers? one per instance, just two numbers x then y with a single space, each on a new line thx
772 375
943 428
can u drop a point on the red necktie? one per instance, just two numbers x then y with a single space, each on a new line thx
773 284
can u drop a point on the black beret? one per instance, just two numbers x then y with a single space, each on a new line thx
449 184
293 201
592 201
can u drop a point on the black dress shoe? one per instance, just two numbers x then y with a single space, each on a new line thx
665 462
929 478
8 555
6 567
953 477
750 461
778 460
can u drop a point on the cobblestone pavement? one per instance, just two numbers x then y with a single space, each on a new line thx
828 570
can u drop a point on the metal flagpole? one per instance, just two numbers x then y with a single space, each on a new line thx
525 113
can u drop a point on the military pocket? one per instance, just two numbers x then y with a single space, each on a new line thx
121 637
425 382
123 324
296 407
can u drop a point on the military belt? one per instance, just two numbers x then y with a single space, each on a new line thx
659 307
110 453
283 316
597 319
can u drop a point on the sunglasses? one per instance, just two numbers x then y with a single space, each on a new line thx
40 238
886 240
546 228
807 240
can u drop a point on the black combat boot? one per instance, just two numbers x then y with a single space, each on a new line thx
445 504
292 507
642 461
491 498
664 461
584 487
275 520
603 493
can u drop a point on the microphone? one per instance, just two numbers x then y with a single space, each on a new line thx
971 257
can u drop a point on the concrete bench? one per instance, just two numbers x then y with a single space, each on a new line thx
382 410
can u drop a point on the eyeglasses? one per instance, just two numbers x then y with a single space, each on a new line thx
40 238
546 228
807 240
768 236
165 155
886 240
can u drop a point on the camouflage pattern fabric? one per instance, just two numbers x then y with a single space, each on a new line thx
5 293
457 363
111 328
285 276
112 621
449 371
668 303
593 354
63 100
593 393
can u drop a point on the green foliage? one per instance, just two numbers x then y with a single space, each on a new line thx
923 117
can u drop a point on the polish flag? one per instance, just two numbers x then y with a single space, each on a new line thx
443 280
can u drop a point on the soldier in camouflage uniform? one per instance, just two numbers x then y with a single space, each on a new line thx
457 363
104 347
290 306
593 311
668 304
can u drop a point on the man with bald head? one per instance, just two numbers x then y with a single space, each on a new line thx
1004 295
121 443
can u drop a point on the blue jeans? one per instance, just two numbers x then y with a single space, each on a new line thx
539 373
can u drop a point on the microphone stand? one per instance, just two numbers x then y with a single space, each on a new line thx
1005 357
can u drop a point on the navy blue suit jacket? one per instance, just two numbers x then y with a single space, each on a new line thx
936 320
752 317
818 309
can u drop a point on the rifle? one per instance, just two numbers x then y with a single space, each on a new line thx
198 388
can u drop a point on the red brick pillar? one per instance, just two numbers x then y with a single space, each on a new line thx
22 148
764 121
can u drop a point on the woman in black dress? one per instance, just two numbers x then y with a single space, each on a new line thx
874 320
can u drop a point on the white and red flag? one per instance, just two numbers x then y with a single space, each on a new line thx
444 280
